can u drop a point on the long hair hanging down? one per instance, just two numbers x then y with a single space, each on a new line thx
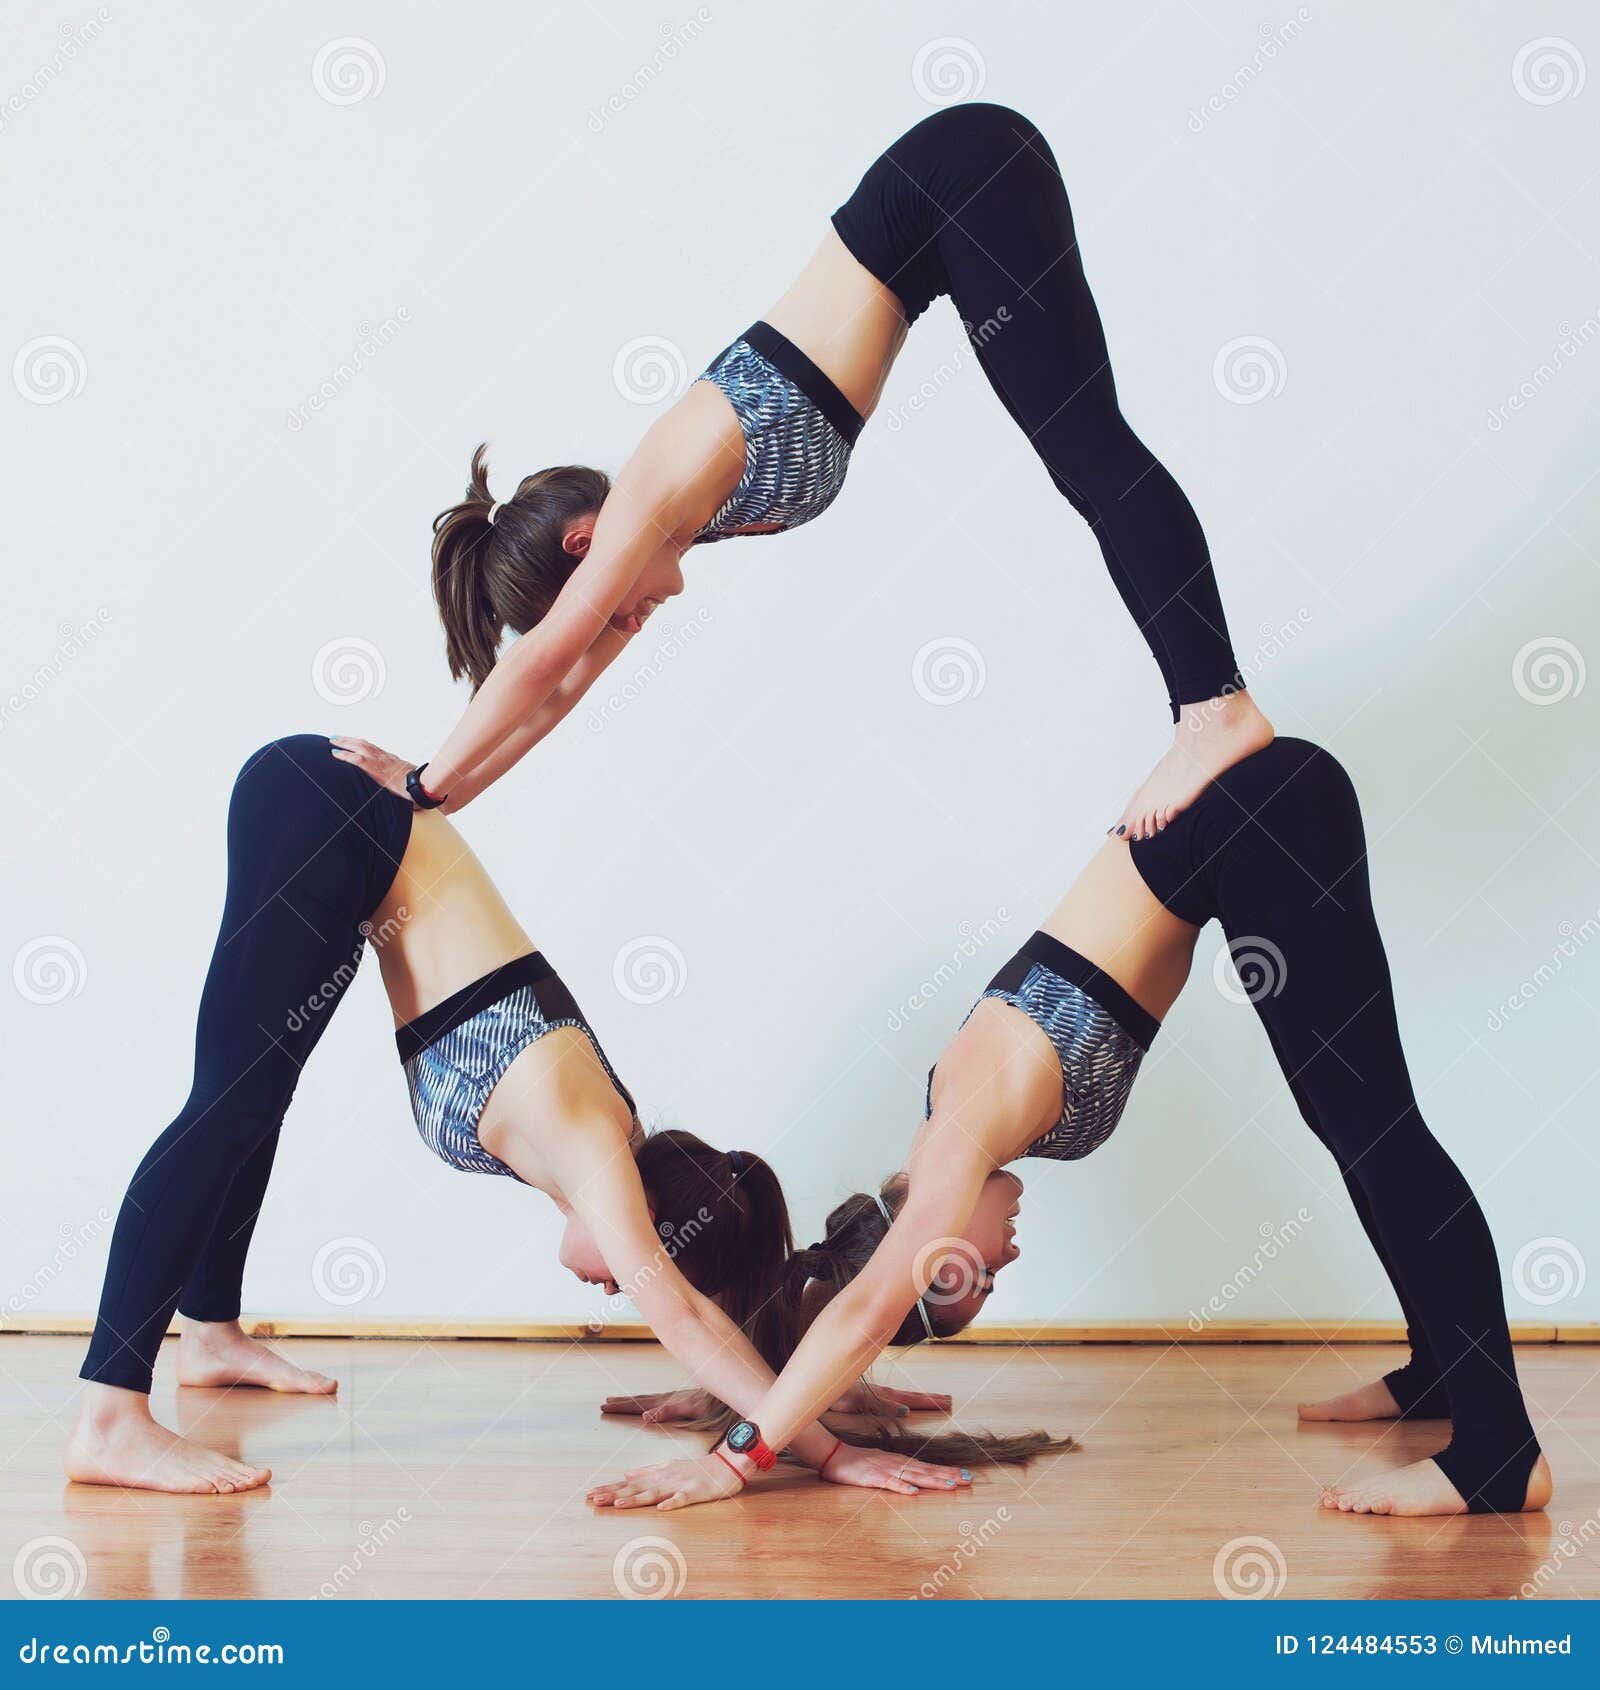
854 1230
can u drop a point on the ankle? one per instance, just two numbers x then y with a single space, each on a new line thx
1225 710
106 1407
209 1334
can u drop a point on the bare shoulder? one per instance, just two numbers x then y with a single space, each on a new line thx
691 458
560 1081
997 1081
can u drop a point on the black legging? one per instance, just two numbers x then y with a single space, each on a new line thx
313 846
970 203
1276 852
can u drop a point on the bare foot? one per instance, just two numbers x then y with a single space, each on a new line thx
1209 738
116 1442
1369 1402
212 1353
1422 1488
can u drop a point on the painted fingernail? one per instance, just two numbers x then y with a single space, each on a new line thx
965 1474
901 1409
1121 831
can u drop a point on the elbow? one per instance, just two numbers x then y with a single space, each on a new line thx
676 1322
877 1315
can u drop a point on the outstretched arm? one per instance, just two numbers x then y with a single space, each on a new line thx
608 1196
853 1330
677 477
390 771
555 709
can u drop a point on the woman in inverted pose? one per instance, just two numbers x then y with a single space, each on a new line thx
1043 1067
505 1077
969 203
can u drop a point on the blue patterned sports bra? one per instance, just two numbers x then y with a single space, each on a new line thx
798 433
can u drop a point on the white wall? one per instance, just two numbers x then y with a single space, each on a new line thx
1369 191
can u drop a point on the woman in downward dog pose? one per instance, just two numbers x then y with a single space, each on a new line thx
970 204
1043 1067
505 1077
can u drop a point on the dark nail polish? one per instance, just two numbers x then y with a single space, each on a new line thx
1121 831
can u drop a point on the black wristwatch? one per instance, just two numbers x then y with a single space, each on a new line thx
418 793
744 1438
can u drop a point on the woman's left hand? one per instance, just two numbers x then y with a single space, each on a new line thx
384 767
671 1484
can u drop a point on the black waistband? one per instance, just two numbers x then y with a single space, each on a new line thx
1136 1021
501 982
786 356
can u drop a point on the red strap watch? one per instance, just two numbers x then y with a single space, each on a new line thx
744 1438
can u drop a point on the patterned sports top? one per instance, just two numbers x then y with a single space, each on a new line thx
798 433
1099 1033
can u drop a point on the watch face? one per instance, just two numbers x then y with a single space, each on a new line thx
743 1436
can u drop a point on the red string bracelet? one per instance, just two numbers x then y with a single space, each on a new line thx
837 1446
734 1470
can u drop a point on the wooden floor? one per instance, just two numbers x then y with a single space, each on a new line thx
458 1470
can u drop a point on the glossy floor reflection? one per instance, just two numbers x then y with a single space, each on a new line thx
458 1470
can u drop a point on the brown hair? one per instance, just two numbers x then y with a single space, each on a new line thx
854 1230
490 576
723 1219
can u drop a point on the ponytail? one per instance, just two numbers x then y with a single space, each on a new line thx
489 576
769 1302
461 538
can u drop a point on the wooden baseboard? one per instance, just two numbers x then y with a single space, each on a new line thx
1029 1332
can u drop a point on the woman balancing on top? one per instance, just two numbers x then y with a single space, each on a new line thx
968 203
